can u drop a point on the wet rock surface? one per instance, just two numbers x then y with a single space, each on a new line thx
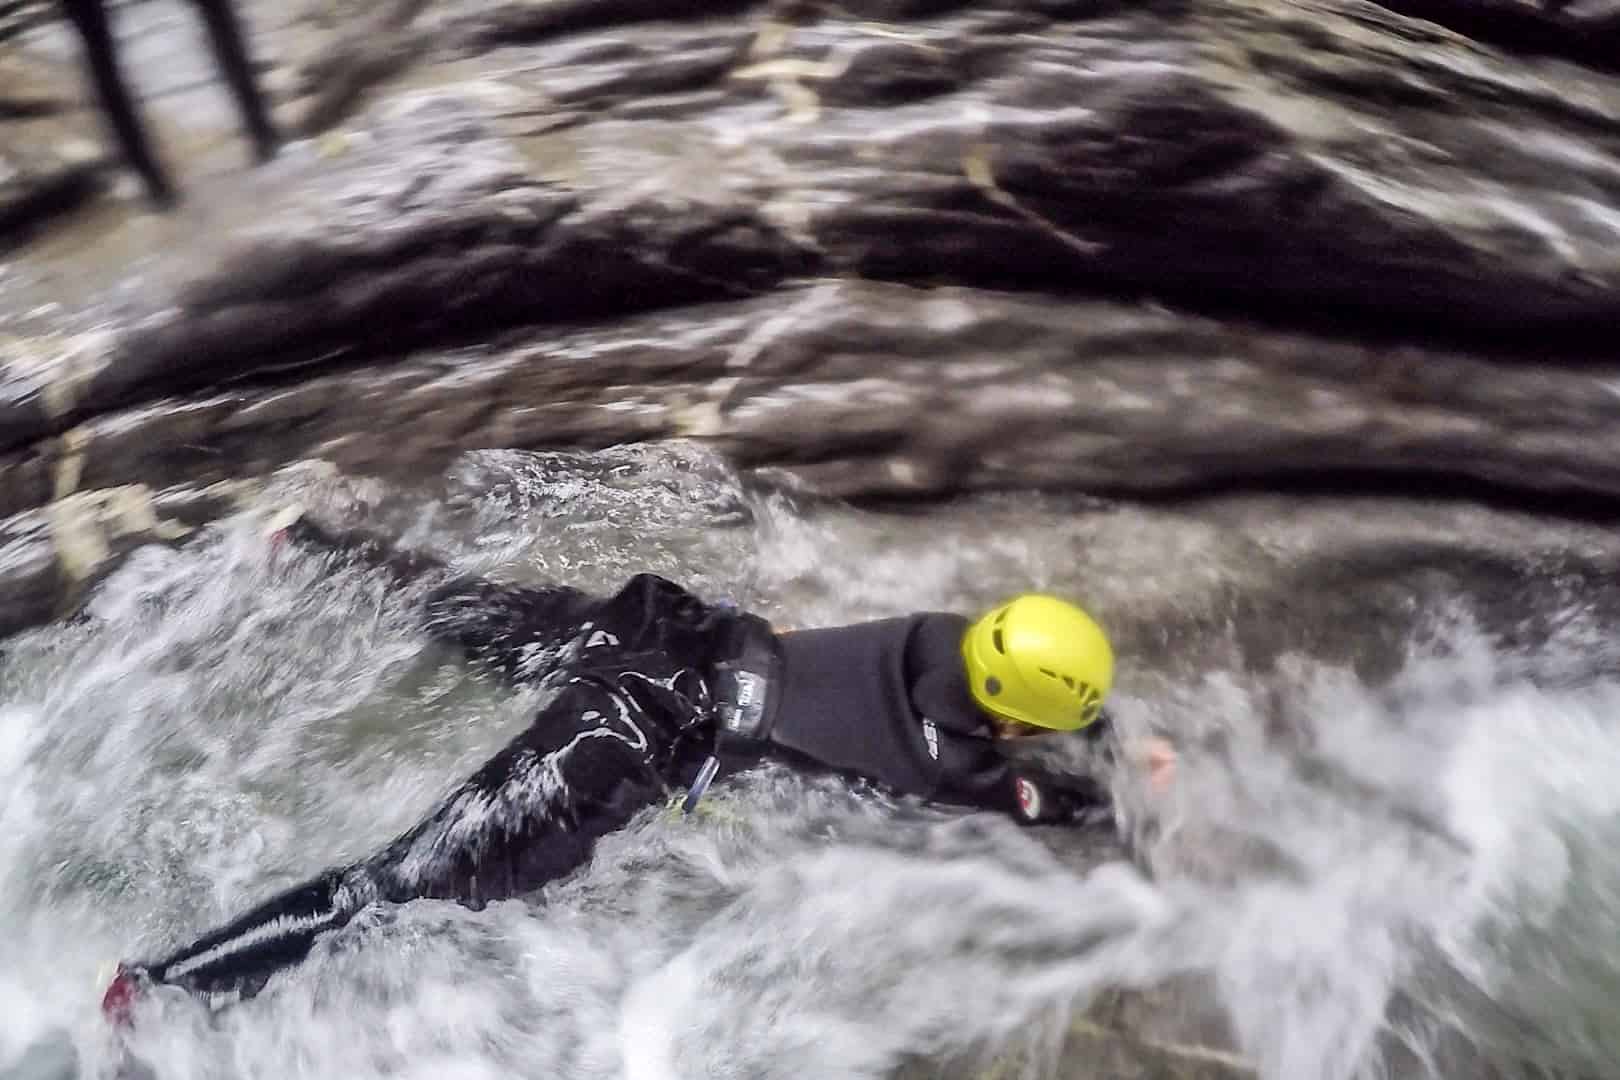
46 167
1588 32
37 182
1401 209
845 388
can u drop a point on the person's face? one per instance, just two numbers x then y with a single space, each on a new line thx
1012 729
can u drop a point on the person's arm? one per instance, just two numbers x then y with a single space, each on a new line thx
1155 755
1161 764
1099 737
1037 796
976 771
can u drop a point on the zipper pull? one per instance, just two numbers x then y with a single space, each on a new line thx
700 785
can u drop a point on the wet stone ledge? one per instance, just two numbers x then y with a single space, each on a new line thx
46 167
867 390
873 249
1323 165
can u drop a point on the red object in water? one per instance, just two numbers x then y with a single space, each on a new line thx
119 1001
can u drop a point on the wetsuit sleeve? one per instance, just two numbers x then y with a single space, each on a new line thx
1099 737
1034 796
976 773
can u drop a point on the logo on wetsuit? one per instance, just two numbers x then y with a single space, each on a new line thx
1029 799
741 701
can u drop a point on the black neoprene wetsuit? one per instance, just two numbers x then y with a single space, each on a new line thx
642 680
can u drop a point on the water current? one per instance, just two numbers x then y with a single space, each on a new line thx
1410 874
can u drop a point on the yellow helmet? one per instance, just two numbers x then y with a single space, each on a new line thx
1039 660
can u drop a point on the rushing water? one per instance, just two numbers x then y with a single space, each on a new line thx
1414 875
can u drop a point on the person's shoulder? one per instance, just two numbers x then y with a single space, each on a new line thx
931 632
937 634
646 579
944 620
646 587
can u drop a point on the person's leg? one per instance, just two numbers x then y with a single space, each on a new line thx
587 765
278 933
518 631
528 632
589 762
525 632
225 32
101 56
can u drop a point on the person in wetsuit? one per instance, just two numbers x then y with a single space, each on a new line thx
89 17
656 690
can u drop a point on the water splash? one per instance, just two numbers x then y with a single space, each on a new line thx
1406 878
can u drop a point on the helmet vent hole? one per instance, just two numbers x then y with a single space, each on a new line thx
995 639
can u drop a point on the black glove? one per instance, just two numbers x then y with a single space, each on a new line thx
1041 798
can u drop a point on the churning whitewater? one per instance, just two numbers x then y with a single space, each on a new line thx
1413 874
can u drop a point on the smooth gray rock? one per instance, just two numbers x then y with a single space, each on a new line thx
871 390
45 167
39 181
50 558
1584 30
1323 164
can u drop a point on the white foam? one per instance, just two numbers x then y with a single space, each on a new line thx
1347 867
